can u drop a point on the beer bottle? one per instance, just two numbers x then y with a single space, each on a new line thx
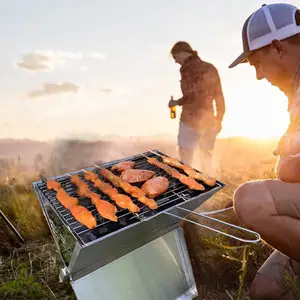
172 110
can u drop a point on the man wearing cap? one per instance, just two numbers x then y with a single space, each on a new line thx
271 43
199 124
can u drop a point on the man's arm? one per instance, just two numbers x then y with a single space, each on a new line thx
288 148
287 169
188 89
219 98
288 144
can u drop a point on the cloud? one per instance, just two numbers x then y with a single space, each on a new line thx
106 91
54 88
49 60
36 62
97 55
69 55
83 68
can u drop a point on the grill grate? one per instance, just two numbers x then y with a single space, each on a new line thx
176 194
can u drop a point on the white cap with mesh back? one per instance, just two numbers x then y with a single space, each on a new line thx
270 22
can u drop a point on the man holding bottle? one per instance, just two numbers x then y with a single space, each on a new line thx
201 86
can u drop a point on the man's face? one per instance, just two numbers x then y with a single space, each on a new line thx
180 57
271 63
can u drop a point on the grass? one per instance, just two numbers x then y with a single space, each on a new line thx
223 269
31 272
19 203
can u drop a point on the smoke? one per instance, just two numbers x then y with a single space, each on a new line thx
74 154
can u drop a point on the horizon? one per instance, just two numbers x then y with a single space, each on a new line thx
116 138
82 75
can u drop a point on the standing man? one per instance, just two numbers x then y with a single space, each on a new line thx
271 42
200 85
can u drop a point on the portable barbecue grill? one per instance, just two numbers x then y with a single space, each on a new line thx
142 256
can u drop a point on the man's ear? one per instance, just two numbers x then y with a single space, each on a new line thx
278 47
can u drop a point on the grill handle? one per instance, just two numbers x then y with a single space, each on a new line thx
204 215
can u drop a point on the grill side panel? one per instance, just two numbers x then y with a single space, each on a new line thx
159 270
62 235
99 254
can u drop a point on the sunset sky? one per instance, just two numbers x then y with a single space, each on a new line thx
86 69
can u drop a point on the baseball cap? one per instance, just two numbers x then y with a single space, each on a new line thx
270 22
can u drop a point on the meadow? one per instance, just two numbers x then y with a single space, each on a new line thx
223 268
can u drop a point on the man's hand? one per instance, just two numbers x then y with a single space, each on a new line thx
218 125
229 204
173 103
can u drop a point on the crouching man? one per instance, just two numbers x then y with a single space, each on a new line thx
271 42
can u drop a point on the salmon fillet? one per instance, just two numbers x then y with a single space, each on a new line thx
156 186
123 166
135 175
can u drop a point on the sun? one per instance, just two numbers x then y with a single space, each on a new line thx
265 122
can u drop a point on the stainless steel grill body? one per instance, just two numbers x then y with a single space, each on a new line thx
160 269
85 251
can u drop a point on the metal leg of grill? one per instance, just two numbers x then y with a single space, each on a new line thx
205 215
12 227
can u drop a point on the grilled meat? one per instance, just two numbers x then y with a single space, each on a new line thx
122 201
105 187
91 176
80 213
83 189
75 179
136 192
105 209
190 182
189 170
83 216
125 202
199 176
110 177
132 190
52 184
65 199
143 199
135 175
156 186
123 166
174 162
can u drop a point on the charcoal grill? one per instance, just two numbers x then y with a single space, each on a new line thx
142 256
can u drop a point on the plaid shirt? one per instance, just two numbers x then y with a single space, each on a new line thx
200 85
